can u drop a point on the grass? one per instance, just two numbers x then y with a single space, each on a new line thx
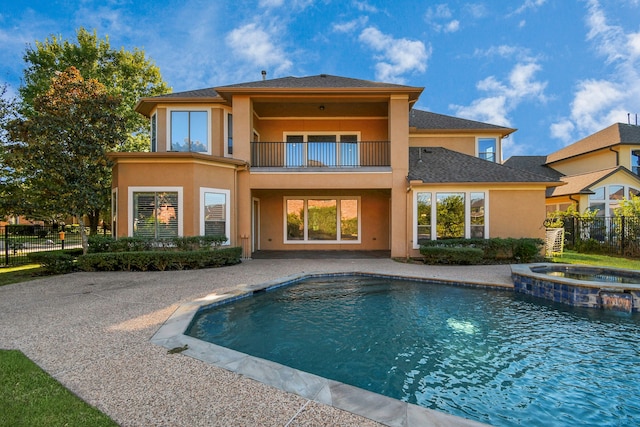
571 257
30 397
22 273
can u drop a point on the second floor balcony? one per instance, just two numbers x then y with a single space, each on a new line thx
321 154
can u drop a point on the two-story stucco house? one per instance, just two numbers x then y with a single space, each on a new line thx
597 171
320 163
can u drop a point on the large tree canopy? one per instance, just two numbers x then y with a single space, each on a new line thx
59 151
126 74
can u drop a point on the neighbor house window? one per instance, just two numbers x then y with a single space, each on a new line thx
487 149
606 199
190 131
635 161
154 133
215 212
156 214
322 150
449 215
322 220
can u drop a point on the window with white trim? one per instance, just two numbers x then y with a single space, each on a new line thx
155 214
449 215
322 220
215 212
488 148
322 150
154 133
189 131
609 197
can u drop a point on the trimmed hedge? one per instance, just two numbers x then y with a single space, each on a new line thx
492 250
452 255
159 260
102 244
56 262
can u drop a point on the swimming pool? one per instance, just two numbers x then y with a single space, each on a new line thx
486 355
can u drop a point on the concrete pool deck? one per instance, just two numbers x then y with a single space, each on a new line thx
92 332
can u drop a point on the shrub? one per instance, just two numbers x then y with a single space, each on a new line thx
494 249
55 262
101 244
159 260
452 255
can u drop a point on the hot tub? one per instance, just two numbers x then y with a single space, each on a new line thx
580 286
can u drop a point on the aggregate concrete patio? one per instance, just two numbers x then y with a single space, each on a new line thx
92 332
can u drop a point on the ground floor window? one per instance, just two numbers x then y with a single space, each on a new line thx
155 214
215 212
454 215
322 220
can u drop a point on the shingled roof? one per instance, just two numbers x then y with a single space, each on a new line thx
615 134
534 164
440 165
582 183
425 120
326 81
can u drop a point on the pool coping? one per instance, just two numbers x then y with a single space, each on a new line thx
377 407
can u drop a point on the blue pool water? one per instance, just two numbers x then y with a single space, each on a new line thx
492 356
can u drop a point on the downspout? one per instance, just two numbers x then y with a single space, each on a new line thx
617 155
577 203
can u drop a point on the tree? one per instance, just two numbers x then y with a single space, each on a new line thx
128 75
60 150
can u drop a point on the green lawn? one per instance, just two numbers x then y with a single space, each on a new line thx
22 273
570 257
29 397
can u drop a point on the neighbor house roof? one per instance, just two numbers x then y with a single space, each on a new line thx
535 164
440 165
583 183
427 121
615 134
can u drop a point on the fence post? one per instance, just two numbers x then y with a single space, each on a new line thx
6 245
623 232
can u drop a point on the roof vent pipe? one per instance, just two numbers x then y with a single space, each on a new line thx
264 75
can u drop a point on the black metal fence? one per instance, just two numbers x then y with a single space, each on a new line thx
17 241
606 235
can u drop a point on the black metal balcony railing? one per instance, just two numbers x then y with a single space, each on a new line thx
320 154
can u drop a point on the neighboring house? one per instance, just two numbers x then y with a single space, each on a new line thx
598 171
320 163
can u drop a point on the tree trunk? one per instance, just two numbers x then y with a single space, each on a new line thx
94 220
83 235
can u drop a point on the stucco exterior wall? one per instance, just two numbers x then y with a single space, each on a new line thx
189 175
374 220
516 213
596 161
369 130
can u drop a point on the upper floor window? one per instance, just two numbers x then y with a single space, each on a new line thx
190 131
154 133
324 150
487 149
229 134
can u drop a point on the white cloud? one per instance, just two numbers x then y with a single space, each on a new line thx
527 5
504 96
350 26
254 45
363 6
396 56
440 19
600 102
452 26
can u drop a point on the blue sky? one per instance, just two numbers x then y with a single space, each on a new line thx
557 70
